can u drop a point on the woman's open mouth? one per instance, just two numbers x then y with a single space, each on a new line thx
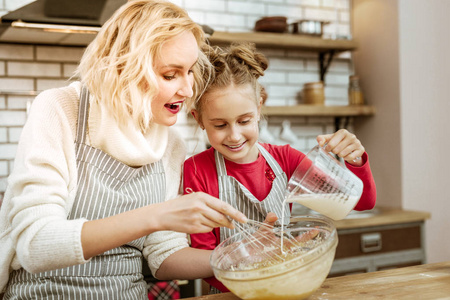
174 107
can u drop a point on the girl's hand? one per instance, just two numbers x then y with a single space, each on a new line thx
266 230
344 144
196 213
307 236
271 218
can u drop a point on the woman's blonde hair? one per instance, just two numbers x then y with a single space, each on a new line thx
117 67
236 65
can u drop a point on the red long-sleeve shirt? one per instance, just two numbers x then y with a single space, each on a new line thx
200 175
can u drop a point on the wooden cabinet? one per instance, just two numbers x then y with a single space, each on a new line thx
386 245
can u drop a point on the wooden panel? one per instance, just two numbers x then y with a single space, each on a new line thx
424 282
223 296
352 272
418 282
397 266
282 40
319 110
386 216
392 240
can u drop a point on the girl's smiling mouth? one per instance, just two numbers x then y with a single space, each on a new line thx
235 147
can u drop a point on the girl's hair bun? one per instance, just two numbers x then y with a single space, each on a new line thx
215 57
246 54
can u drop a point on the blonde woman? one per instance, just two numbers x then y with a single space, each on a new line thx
96 178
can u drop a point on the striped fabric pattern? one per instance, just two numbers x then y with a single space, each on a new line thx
234 193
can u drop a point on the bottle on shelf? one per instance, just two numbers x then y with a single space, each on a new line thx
355 96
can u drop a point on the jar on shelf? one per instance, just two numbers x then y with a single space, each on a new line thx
314 93
355 96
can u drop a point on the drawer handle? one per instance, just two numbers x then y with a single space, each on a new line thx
370 242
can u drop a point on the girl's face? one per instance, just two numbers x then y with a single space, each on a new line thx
230 117
173 69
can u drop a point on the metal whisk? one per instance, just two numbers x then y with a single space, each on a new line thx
265 242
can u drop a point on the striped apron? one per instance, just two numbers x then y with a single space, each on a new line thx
237 195
106 187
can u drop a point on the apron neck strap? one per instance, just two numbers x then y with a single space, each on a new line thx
83 112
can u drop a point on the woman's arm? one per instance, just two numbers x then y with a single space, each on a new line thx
42 186
187 263
193 213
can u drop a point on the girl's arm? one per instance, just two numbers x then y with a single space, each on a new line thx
369 194
347 146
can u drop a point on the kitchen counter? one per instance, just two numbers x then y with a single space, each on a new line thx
428 281
378 239
382 216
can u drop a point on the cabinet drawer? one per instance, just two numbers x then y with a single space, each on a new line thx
378 240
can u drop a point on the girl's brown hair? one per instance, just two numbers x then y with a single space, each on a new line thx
237 65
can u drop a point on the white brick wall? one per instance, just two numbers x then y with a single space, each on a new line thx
59 54
3 135
33 69
16 84
26 68
22 52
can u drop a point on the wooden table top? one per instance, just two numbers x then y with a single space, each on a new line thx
429 281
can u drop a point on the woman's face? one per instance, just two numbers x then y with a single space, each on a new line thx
173 69
230 117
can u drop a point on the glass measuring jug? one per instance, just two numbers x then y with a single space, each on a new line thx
322 183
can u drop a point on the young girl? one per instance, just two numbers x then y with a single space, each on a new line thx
248 175
94 190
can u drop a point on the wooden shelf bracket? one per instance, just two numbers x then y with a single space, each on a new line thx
325 59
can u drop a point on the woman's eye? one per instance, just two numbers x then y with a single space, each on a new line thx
245 122
169 77
219 126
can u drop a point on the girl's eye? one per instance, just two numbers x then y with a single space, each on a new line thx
220 126
245 122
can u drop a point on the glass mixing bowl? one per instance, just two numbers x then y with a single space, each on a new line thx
253 265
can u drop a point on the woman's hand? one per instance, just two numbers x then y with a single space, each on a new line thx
196 213
344 144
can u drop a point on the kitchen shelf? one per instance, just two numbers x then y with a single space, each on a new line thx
326 48
283 40
319 110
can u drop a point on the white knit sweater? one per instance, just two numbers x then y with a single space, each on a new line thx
34 231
